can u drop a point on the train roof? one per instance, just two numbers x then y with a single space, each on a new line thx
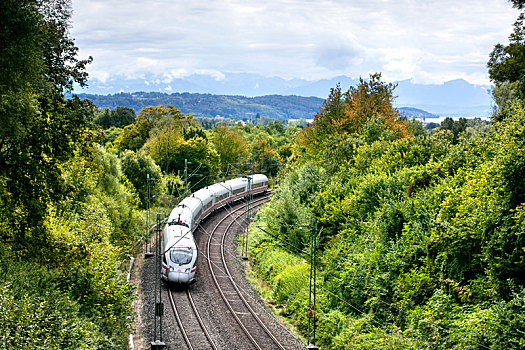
259 177
192 202
235 183
203 193
186 207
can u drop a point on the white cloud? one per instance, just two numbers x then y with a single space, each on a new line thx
423 40
101 76
145 61
215 74
178 73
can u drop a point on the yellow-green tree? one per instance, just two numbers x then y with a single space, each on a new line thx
177 150
230 146
39 128
151 120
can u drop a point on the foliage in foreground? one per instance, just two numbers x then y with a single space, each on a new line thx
75 295
65 208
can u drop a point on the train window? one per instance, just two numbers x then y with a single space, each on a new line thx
239 190
181 256
177 222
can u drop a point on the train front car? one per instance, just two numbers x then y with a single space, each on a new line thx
180 252
180 256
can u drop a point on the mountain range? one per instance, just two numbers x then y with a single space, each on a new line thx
453 98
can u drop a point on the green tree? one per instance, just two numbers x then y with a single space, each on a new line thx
118 196
325 120
504 96
39 128
136 166
264 158
366 109
506 63
149 121
118 117
370 99
230 145
519 4
455 126
171 150
111 135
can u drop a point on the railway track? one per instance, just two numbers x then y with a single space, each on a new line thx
256 332
189 321
211 314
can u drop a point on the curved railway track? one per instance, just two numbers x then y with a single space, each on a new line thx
257 333
214 312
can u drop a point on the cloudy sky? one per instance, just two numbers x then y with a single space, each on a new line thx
428 41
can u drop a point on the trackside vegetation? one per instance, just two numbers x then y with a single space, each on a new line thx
418 236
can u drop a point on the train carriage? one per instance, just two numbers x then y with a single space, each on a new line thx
239 188
221 194
205 195
259 183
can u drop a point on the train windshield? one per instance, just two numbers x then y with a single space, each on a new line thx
181 256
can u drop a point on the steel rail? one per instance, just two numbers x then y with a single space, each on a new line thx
179 321
232 311
214 276
197 316
261 323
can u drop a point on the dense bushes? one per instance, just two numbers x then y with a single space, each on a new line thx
36 313
66 211
421 241
70 292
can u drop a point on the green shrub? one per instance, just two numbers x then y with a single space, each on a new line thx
290 281
44 322
35 313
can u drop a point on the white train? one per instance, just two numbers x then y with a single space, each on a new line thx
179 260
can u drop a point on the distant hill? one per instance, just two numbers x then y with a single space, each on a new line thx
237 107
455 97
208 105
411 112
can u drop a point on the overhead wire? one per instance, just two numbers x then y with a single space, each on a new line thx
247 293
336 296
322 287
